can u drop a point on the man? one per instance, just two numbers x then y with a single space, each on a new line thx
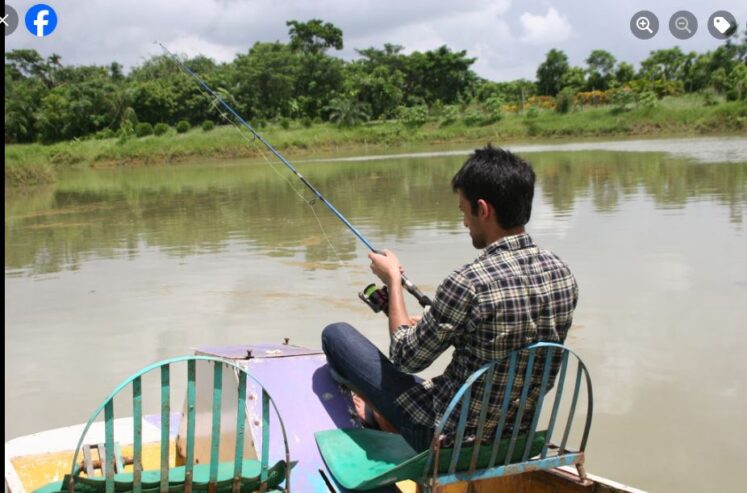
512 295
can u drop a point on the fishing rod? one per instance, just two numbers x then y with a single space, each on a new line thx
376 298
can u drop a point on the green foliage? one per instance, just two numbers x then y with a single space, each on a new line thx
413 117
449 115
347 112
494 108
307 122
600 64
624 73
711 97
474 117
182 127
126 132
106 133
736 84
550 73
314 36
622 99
161 128
143 128
285 123
647 99
47 101
532 112
564 100
208 125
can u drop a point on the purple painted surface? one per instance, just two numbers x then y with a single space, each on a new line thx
309 401
257 351
175 418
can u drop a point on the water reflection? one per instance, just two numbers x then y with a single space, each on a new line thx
199 209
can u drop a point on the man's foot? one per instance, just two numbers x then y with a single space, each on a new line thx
369 417
364 412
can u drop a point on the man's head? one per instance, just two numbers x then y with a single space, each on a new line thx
495 190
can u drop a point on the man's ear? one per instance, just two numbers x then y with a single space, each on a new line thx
483 209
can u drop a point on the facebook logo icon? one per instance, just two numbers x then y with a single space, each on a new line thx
41 20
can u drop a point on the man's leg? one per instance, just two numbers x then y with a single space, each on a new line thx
371 374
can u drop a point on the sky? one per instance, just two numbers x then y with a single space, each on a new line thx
509 38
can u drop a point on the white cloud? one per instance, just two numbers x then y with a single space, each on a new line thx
550 28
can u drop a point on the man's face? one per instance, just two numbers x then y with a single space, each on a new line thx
472 222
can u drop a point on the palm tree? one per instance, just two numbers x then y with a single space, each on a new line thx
348 111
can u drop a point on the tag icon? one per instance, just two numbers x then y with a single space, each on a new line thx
721 24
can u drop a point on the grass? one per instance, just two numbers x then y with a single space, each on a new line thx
28 164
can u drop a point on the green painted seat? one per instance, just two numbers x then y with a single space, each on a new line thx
362 459
223 469
151 479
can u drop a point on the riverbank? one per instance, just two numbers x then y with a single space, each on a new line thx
33 164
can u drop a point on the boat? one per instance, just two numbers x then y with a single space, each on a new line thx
303 391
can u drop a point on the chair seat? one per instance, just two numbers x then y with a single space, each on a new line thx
201 476
363 459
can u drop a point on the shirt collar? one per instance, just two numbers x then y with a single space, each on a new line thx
509 243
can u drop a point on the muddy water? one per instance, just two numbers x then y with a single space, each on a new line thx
109 270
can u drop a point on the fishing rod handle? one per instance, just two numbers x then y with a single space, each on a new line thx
416 292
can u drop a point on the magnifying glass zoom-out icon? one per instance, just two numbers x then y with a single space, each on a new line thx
682 24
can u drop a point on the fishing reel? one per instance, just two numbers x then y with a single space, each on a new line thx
377 298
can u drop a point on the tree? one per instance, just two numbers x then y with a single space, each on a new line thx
624 73
574 78
438 75
600 64
380 87
265 79
550 73
347 111
663 65
314 36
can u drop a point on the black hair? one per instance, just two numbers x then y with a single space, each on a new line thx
502 179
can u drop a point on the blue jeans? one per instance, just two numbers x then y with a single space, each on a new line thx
371 374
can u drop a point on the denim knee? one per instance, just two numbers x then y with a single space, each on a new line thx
332 334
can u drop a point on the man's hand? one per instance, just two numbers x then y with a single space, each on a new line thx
415 319
386 267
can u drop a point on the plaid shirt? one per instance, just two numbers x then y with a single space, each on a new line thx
512 295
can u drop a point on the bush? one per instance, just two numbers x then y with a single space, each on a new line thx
564 101
143 129
285 123
307 122
413 117
106 133
622 99
449 115
125 133
710 97
160 128
473 117
647 99
208 125
532 113
494 106
182 127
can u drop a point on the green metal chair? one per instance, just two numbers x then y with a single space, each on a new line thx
362 459
239 475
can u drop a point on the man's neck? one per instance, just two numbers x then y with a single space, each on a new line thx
500 233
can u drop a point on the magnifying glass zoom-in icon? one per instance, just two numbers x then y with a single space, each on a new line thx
643 24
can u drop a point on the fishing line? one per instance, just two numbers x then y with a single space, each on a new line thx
408 285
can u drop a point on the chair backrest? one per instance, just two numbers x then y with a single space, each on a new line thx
167 432
529 446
